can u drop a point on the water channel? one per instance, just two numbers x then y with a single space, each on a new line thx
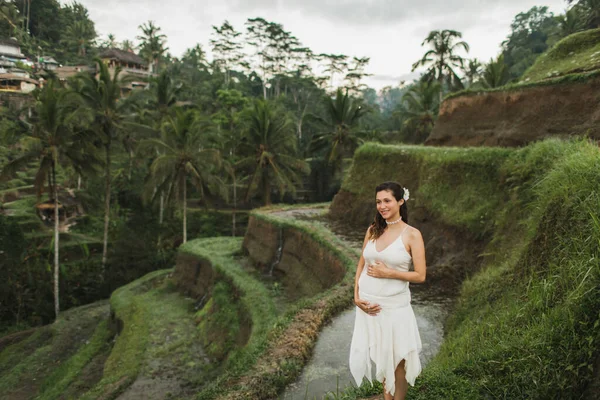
327 372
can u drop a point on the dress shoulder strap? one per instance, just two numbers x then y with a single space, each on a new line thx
404 230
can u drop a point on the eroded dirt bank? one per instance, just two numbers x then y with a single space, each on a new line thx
518 117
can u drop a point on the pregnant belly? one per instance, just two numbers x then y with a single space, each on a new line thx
381 286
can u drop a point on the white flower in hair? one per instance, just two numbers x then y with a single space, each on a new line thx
406 194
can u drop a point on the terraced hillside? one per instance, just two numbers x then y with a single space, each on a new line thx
557 97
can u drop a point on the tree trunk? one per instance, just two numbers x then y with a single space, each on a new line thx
184 212
267 190
264 90
162 207
106 208
234 206
28 15
56 238
79 182
130 165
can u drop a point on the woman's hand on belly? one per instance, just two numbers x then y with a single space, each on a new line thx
371 309
379 270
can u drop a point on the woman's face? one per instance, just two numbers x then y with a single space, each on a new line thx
387 205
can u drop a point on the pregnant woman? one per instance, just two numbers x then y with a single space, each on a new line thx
385 329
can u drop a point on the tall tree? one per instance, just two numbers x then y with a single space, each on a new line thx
529 38
229 121
472 71
589 10
163 100
110 42
152 46
78 32
334 64
421 105
41 18
127 45
185 155
356 73
101 94
495 73
281 48
340 135
269 153
227 48
257 36
570 22
11 20
52 142
442 60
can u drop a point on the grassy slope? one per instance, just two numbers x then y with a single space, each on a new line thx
576 53
527 325
157 339
51 359
575 58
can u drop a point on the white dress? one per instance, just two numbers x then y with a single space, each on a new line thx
391 335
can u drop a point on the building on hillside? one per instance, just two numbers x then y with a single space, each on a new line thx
65 72
11 50
48 63
17 83
68 209
132 66
6 64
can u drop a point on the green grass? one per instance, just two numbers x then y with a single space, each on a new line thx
220 252
56 384
125 361
528 324
54 354
576 53
574 59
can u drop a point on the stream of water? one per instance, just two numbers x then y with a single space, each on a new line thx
328 371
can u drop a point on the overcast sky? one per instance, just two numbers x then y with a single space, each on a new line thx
390 32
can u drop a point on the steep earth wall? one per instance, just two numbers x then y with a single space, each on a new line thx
519 116
303 266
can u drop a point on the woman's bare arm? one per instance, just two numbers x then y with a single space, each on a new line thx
361 265
367 307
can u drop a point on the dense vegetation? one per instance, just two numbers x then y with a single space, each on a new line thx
274 124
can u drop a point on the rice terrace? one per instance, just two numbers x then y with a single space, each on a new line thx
185 190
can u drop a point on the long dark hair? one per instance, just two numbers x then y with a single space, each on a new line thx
378 226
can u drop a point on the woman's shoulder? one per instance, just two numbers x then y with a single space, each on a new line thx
413 233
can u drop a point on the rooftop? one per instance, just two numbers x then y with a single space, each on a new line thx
123 56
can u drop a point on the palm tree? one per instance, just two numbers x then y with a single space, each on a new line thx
184 156
127 45
589 11
101 94
570 22
269 153
473 70
164 97
10 13
80 34
110 42
153 44
421 107
495 73
442 59
340 136
52 141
